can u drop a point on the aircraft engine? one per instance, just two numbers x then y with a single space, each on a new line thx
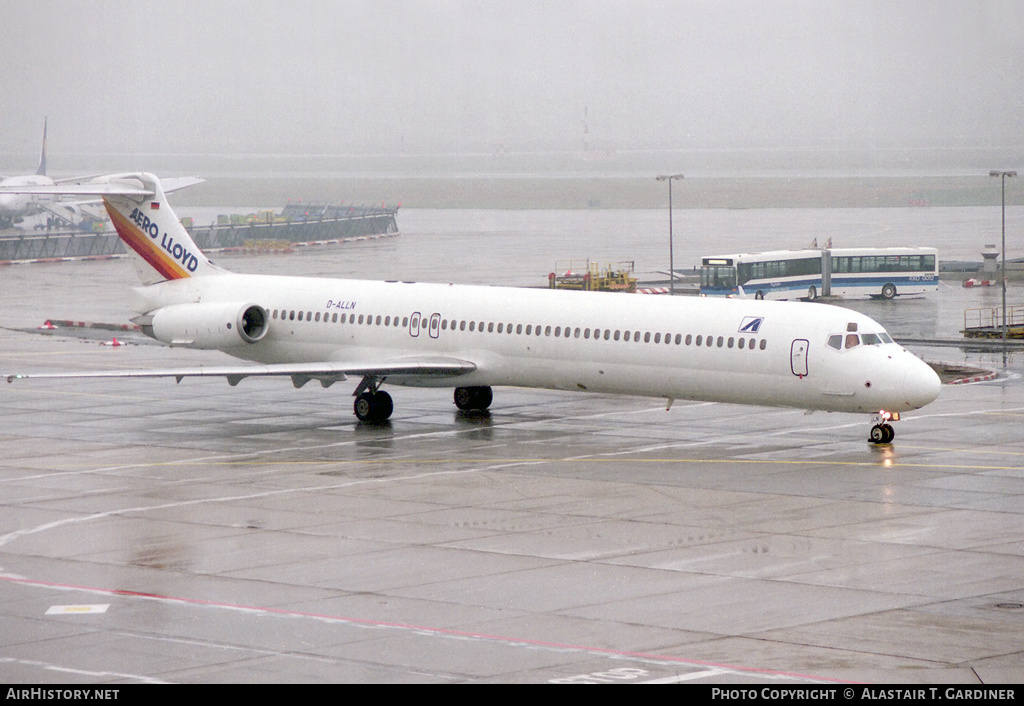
207 326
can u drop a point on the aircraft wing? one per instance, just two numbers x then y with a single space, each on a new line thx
62 209
78 179
300 373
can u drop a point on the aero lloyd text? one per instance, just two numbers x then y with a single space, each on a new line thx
175 250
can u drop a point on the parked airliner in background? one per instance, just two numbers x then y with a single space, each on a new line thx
473 338
16 205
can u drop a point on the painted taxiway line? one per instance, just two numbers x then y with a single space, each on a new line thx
701 668
80 673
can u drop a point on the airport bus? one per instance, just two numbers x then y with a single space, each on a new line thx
807 274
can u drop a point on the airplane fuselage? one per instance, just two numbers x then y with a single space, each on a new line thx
13 206
739 351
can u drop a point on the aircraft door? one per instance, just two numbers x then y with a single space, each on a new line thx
414 325
798 357
435 325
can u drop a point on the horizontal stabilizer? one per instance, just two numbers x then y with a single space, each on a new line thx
105 185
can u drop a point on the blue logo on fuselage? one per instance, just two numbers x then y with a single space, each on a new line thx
751 324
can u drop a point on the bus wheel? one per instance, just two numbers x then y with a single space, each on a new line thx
812 294
888 291
759 295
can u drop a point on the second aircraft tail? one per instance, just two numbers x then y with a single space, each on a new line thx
41 169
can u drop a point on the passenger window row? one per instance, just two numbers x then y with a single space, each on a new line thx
606 334
334 318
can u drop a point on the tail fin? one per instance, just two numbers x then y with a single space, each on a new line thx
42 153
160 247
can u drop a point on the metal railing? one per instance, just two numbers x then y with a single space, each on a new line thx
987 322
67 243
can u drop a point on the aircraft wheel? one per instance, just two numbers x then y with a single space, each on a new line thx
467 398
882 434
363 407
888 291
373 407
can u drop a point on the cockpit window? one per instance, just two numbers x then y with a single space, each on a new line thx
851 340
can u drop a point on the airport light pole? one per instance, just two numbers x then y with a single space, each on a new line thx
671 256
1002 175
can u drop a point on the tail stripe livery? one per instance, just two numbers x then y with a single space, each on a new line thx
169 259
161 247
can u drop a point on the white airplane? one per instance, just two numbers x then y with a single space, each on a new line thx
17 204
473 338
14 207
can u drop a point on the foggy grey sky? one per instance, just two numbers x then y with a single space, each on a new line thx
413 76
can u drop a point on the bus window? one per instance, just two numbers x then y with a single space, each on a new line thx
718 276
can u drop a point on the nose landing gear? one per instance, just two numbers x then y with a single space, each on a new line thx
882 432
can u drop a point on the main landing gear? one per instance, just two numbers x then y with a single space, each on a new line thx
882 432
372 405
473 398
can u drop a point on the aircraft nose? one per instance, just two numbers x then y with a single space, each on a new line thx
12 202
920 385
